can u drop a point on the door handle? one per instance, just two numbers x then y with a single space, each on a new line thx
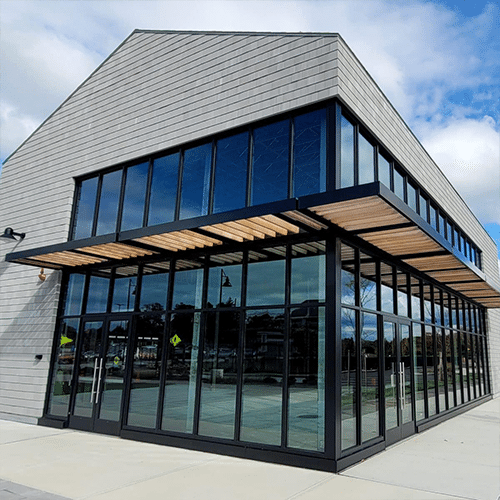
402 385
98 382
93 382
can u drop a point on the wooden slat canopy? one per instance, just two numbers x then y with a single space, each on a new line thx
372 213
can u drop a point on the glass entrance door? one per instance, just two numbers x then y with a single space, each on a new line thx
399 421
100 376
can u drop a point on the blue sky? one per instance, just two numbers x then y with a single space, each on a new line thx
437 61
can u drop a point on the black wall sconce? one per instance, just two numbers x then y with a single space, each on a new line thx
10 234
38 357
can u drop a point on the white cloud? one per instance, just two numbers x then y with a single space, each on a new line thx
468 152
419 52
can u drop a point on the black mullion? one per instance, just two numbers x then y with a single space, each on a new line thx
358 376
286 349
290 157
337 149
453 367
147 199
466 347
201 344
212 178
458 334
357 337
180 171
355 144
249 168
423 328
76 197
472 357
120 199
241 347
97 204
333 350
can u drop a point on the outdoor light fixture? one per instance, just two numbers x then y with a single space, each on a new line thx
42 275
10 234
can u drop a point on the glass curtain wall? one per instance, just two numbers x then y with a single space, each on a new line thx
232 346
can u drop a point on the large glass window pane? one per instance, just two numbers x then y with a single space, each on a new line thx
270 161
418 363
384 171
424 212
266 283
146 369
346 153
427 304
263 377
412 196
348 285
195 181
230 187
108 202
85 206
306 390
188 288
182 365
416 312
135 196
220 375
224 286
308 279
98 294
124 289
74 295
387 288
91 344
370 397
433 216
431 379
449 367
62 371
399 186
154 289
365 161
309 153
458 366
367 282
405 349
465 366
163 195
441 369
402 287
349 378
390 375
115 357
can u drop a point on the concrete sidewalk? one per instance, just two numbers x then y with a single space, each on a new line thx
458 459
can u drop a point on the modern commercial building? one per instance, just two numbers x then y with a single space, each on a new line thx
245 250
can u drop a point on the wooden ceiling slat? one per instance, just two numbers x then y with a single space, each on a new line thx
246 230
223 232
281 223
250 224
161 242
305 220
201 237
